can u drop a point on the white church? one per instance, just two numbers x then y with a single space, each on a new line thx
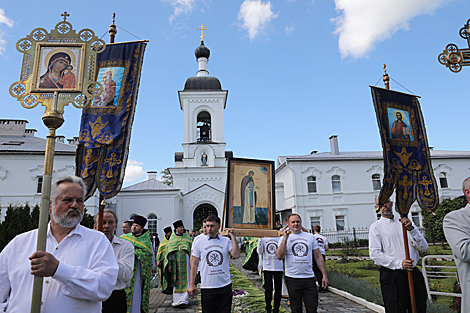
335 189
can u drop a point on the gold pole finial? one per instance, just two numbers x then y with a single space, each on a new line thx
202 28
65 15
386 78
112 29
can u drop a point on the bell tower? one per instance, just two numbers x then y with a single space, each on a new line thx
203 102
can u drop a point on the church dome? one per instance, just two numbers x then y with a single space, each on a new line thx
202 83
202 51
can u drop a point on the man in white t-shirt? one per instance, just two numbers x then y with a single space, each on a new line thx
213 252
323 246
272 269
298 250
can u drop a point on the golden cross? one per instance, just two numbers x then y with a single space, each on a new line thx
425 182
88 158
405 183
111 161
65 15
202 28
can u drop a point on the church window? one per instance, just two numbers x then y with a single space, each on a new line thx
314 221
312 184
443 180
152 224
415 218
201 212
336 183
204 127
376 182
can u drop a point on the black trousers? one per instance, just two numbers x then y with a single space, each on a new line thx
268 286
302 290
316 270
217 300
116 303
396 291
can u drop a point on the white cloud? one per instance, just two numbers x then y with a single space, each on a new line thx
289 29
134 171
255 16
364 22
8 22
180 7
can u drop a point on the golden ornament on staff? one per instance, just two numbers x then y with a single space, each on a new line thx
48 58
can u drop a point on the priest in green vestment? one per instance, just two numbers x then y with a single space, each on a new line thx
161 254
138 293
176 267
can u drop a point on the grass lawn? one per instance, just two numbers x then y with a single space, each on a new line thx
368 271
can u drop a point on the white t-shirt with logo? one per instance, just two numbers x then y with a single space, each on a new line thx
267 250
299 254
322 242
213 257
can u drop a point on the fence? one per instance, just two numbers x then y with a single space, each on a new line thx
351 234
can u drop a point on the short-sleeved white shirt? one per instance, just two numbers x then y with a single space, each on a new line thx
322 242
299 254
267 251
213 257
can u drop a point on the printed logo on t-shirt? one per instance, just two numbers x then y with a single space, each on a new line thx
271 248
214 258
300 249
320 241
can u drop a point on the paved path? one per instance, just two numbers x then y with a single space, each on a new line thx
328 301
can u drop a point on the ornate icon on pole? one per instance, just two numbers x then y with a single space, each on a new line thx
453 57
61 60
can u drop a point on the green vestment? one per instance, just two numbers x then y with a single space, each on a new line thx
143 252
251 255
161 255
179 246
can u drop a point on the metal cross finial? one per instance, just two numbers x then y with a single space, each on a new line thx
385 68
114 16
65 15
202 28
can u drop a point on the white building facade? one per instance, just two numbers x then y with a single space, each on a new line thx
337 190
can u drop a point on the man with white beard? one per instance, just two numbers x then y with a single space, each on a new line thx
78 266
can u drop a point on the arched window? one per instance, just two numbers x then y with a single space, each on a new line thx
443 180
204 127
376 181
336 183
201 212
152 223
312 184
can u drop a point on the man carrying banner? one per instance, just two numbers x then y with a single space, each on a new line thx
386 250
78 266
177 269
272 272
138 292
457 231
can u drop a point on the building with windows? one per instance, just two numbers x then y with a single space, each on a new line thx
337 190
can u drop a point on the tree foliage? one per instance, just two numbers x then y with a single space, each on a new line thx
433 224
167 178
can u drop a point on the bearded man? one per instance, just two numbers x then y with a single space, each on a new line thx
78 266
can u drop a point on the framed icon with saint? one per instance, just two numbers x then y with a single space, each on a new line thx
58 66
250 195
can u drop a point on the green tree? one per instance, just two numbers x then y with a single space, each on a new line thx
433 224
167 178
17 220
88 220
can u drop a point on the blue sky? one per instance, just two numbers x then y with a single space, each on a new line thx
297 71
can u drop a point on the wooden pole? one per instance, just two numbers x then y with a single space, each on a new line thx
410 274
100 212
53 120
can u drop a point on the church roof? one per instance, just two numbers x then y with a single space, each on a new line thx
364 155
150 184
31 145
202 83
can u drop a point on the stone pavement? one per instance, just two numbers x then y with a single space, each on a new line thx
327 302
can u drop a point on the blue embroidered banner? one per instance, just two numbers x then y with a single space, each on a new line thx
105 129
407 160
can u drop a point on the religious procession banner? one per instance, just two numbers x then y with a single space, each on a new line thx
105 129
407 160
